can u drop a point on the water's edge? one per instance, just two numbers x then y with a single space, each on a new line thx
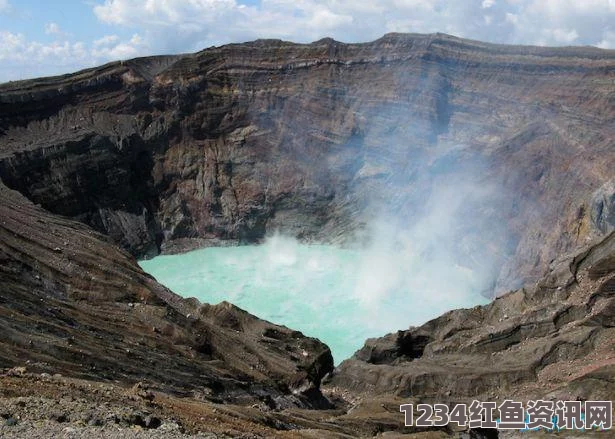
340 296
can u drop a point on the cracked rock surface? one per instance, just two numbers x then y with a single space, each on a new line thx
164 154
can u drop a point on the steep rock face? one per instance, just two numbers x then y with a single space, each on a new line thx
554 340
74 303
319 140
233 142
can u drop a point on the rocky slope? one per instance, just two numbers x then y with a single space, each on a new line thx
232 142
318 140
72 302
554 340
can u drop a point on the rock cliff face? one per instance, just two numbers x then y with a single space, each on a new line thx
166 153
233 142
553 340
72 302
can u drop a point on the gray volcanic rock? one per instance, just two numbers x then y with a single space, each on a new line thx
71 302
320 140
603 207
553 340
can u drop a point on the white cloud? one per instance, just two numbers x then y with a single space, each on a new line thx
325 19
4 6
111 48
609 40
55 30
565 36
106 40
21 58
174 26
162 12
15 47
183 25
511 18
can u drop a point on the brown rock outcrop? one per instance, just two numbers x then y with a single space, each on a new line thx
228 144
74 303
551 340
232 142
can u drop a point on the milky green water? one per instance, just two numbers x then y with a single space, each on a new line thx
340 296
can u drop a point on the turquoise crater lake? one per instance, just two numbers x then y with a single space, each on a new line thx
341 296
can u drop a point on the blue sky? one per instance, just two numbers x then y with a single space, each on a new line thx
39 38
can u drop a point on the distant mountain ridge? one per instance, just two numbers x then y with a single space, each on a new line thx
220 144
